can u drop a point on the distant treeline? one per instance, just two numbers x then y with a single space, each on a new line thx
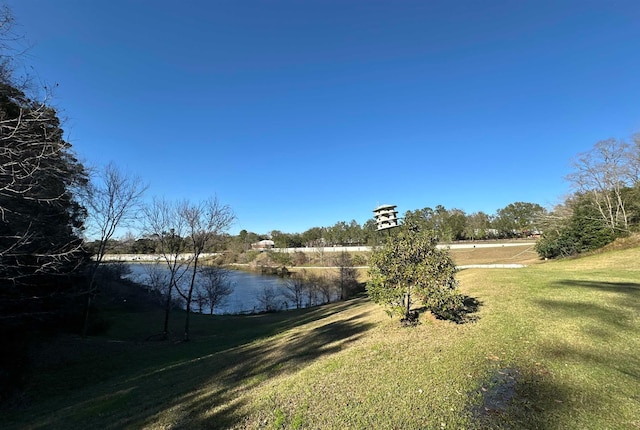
516 220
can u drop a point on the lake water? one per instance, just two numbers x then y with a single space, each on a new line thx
247 287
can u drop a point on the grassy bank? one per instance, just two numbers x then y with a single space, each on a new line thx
554 345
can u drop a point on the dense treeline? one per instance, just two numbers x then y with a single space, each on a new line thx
516 220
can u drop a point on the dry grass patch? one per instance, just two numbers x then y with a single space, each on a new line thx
498 255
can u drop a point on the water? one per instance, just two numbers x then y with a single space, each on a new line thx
247 288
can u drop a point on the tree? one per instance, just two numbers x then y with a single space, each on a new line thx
164 222
40 217
313 236
457 223
157 280
113 198
410 265
370 234
295 288
268 299
519 218
204 222
477 225
322 285
574 228
215 286
347 274
604 173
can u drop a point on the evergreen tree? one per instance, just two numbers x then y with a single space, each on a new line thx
40 219
410 266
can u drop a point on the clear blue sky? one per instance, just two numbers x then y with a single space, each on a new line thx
304 113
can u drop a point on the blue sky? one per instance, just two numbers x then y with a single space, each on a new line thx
304 113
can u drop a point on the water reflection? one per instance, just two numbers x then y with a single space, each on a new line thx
247 288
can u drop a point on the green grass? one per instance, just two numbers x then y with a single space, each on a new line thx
555 346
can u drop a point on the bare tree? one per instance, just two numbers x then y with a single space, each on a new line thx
295 288
312 292
347 274
204 222
319 250
324 286
215 287
113 199
157 280
603 173
268 299
165 223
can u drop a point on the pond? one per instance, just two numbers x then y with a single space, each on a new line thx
247 288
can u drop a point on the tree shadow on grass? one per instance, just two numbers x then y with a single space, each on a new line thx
198 383
470 307
625 299
466 313
245 368
512 398
594 325
625 287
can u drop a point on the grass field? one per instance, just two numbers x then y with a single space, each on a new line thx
498 255
554 346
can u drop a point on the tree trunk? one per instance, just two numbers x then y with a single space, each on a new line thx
167 310
189 295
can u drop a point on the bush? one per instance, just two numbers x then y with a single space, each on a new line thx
359 260
281 258
299 258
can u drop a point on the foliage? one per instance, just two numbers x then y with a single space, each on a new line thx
584 230
410 264
41 219
280 258
519 218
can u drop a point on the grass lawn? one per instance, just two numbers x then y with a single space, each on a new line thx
554 346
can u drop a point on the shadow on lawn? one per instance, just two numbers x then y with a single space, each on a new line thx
618 287
471 306
199 383
603 321
625 296
512 398
462 315
245 368
539 398
208 390
536 398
